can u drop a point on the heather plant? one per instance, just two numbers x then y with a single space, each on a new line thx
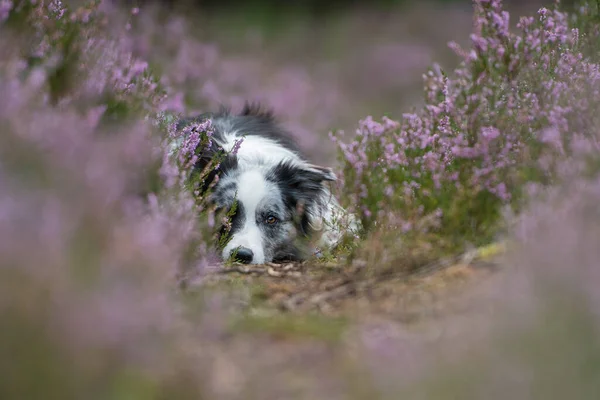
87 64
87 269
94 231
542 341
516 104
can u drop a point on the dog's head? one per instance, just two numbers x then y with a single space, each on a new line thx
271 210
270 206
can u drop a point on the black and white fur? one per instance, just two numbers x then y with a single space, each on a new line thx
280 197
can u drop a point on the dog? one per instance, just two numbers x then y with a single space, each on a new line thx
279 204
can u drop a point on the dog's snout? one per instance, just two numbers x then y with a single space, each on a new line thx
243 255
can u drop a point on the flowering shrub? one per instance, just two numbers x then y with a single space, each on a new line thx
94 231
87 66
498 122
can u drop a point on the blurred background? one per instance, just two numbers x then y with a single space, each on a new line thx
321 65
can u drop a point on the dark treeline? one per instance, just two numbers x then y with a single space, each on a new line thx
307 7
315 7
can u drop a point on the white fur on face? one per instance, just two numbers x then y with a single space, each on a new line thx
252 188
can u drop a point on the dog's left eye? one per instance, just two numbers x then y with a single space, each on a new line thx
270 220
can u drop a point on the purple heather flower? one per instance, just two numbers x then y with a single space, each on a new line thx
475 130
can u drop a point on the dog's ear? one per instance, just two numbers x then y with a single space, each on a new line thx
302 181
303 190
326 173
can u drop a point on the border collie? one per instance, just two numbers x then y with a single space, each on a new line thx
280 206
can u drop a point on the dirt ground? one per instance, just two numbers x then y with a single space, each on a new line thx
308 330
356 292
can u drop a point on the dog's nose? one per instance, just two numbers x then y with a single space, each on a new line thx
243 255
